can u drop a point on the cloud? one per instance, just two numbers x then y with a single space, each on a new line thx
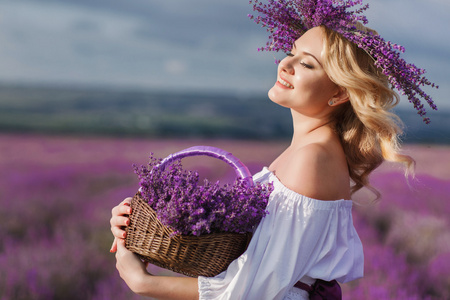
179 44
105 43
175 67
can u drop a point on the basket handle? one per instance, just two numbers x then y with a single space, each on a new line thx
240 169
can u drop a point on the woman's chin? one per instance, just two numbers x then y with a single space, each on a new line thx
275 96
272 93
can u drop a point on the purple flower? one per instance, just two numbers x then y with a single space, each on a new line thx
287 20
190 208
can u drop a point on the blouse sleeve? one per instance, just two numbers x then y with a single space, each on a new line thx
299 237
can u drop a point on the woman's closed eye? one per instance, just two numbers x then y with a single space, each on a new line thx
306 65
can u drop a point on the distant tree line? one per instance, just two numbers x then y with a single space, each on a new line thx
163 114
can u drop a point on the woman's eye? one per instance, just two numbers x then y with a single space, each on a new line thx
290 54
306 65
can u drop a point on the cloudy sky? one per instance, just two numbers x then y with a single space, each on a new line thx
184 44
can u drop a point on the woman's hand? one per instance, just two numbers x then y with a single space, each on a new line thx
131 269
119 220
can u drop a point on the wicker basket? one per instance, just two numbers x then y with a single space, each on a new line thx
204 255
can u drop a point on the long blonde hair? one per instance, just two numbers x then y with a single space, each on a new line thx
369 132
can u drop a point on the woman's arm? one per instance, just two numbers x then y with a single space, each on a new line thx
133 271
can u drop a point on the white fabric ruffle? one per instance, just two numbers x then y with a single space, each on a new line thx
300 239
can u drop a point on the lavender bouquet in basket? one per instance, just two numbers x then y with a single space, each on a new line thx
192 227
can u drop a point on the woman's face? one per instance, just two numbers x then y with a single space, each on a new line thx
302 83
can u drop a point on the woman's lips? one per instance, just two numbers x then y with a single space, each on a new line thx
284 83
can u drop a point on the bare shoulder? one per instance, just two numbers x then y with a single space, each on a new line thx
317 171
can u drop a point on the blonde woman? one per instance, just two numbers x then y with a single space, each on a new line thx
339 102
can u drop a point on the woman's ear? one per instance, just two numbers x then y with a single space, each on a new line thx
340 97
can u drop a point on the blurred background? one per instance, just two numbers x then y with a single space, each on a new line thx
88 87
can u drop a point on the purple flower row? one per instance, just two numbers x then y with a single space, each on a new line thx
55 207
191 208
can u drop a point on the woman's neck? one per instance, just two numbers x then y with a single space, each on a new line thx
307 129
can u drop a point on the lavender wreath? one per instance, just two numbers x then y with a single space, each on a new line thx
287 20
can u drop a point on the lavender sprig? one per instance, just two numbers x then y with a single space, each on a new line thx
191 208
287 20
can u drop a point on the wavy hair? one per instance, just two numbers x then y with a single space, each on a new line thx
369 131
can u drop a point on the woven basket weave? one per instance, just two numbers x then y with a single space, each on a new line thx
204 255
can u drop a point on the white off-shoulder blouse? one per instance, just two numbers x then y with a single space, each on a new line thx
300 239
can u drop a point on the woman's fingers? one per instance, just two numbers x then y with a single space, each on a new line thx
117 226
113 246
119 220
127 201
121 209
118 232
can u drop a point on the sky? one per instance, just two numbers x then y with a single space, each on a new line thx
195 45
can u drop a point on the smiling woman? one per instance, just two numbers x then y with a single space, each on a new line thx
339 99
303 85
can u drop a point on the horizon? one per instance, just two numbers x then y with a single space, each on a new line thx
162 113
177 46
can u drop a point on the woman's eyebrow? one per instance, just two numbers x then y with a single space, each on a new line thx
310 54
294 46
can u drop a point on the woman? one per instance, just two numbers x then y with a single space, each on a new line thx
343 130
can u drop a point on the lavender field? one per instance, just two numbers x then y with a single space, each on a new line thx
56 195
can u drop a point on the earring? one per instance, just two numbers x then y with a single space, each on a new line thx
331 102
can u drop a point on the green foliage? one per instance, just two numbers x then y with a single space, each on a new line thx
146 114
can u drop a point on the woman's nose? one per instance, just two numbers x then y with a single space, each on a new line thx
286 65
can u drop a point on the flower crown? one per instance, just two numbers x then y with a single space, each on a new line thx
287 20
